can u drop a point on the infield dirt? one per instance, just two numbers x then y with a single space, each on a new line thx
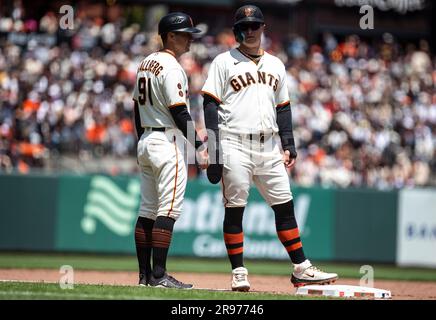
404 290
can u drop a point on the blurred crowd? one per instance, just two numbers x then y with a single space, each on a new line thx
363 114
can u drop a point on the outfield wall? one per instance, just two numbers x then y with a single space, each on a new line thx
98 214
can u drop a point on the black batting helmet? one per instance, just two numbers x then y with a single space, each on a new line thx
248 13
177 22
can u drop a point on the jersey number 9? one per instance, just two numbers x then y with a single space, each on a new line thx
143 83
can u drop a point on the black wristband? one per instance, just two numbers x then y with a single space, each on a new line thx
284 122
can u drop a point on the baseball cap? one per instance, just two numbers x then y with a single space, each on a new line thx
177 22
248 13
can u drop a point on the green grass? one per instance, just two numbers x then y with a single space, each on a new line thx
54 261
51 291
128 263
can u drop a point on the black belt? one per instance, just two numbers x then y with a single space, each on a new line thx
158 129
257 137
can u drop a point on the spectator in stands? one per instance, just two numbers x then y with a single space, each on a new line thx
364 115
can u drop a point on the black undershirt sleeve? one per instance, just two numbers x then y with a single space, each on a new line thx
183 120
139 128
210 108
284 122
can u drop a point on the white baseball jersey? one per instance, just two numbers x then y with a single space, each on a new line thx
161 84
248 92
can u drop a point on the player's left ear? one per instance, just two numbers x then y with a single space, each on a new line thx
171 35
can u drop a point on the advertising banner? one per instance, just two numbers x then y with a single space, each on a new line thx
98 214
416 235
198 232
27 212
366 225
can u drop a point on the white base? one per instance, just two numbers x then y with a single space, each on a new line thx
344 291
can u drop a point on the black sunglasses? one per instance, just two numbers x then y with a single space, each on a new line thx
253 26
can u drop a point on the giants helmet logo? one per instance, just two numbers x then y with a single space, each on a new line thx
248 12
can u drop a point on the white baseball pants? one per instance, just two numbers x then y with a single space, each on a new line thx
163 174
247 161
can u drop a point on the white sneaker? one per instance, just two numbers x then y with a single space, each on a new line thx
305 273
239 279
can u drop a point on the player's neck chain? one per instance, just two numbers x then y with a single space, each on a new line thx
257 56
253 57
168 51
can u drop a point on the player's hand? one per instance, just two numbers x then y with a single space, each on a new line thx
288 161
203 159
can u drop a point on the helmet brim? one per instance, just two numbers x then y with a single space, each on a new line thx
249 19
188 30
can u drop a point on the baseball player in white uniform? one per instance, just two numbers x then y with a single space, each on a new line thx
246 107
162 122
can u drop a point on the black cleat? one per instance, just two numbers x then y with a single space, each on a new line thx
167 281
144 279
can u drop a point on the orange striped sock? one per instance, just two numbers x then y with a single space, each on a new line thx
161 239
235 248
290 238
287 230
143 242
